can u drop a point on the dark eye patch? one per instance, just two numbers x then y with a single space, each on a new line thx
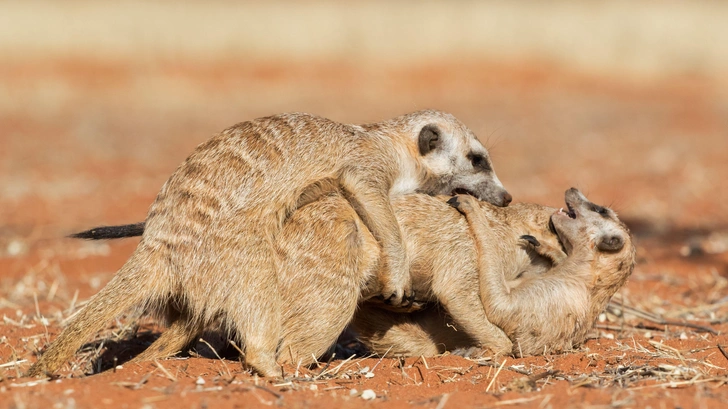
603 211
479 161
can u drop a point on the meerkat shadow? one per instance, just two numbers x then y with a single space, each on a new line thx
211 345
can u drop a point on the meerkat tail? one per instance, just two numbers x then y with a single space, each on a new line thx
111 232
127 289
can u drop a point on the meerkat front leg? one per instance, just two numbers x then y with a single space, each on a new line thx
374 208
494 291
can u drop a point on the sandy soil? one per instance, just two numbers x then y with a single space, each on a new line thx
89 143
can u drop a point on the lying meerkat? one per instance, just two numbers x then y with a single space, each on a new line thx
208 252
540 312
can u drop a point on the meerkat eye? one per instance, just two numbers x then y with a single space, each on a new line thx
479 161
603 211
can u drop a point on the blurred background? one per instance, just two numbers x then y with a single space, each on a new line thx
626 100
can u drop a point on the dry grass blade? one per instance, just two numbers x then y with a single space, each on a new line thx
492 381
134 385
516 401
667 348
28 384
14 363
508 368
165 371
656 318
443 401
325 368
218 357
722 351
673 384
237 348
380 360
338 367
278 396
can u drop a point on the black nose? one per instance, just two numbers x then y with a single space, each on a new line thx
506 198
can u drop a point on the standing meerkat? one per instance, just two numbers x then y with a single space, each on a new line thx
328 267
559 273
208 251
540 311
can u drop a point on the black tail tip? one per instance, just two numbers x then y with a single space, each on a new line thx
110 232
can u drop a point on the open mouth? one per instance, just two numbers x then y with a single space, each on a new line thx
569 211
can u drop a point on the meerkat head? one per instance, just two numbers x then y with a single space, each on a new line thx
587 225
596 229
455 159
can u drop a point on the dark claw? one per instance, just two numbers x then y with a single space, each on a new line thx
453 201
418 305
409 300
387 300
532 240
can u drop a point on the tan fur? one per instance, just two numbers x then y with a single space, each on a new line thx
209 254
541 312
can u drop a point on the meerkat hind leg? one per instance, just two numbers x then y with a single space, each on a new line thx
172 341
253 305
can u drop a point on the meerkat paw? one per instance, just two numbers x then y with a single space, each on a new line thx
465 204
410 306
498 344
263 364
556 255
402 297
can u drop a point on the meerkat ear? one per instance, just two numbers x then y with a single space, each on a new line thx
610 243
429 139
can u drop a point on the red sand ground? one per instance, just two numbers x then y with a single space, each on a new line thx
90 143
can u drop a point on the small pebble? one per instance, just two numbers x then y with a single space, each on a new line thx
313 387
119 367
353 392
648 334
16 248
368 394
364 370
369 375
683 336
200 381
